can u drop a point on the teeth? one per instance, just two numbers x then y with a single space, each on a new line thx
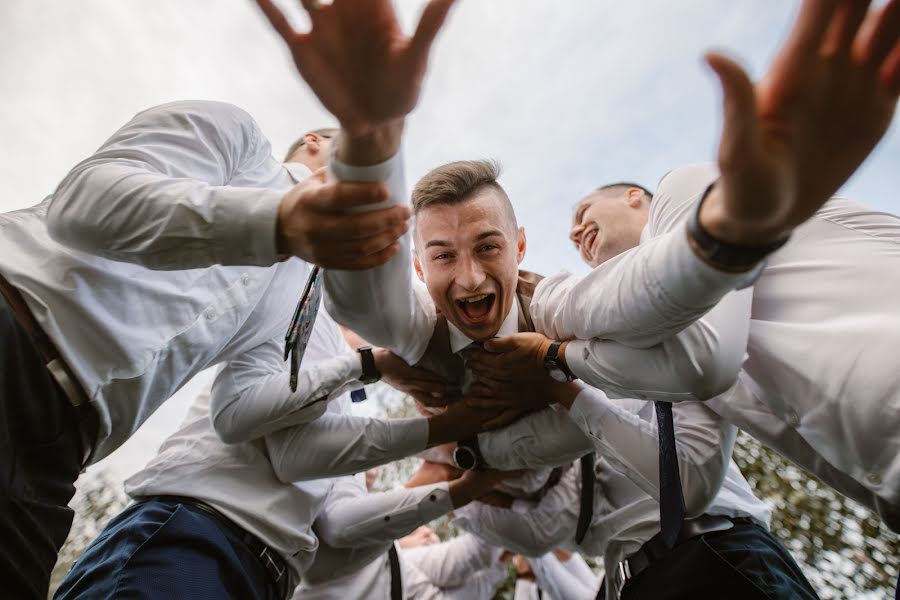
475 298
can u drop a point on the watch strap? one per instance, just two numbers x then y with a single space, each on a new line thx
370 373
721 255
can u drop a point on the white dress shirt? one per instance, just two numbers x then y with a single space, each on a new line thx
464 568
558 580
625 432
819 383
123 264
625 516
239 481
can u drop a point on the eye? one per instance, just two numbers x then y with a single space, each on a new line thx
441 256
488 247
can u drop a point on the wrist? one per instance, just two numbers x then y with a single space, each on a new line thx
370 147
715 218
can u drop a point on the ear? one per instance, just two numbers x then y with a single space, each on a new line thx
418 266
633 197
520 245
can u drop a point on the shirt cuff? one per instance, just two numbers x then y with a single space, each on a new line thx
244 225
691 273
587 408
379 172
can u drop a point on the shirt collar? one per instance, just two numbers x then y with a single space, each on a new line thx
297 171
510 325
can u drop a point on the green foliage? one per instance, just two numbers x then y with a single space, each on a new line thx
842 546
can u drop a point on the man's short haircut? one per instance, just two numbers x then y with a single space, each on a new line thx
325 132
457 182
623 186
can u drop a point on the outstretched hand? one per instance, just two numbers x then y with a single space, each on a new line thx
790 141
364 70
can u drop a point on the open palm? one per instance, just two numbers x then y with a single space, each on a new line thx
790 141
357 60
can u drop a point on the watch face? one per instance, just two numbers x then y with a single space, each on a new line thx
464 458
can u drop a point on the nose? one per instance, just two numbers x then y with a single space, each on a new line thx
470 275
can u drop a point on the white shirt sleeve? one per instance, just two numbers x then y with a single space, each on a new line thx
341 444
160 192
526 590
452 563
554 578
481 585
698 363
547 438
648 293
704 442
530 529
384 305
354 517
251 395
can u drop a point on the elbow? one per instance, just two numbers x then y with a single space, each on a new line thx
710 372
226 430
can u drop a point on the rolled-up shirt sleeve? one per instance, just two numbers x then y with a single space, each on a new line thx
384 305
161 192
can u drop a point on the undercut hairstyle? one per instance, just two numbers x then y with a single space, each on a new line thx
456 182
325 132
622 186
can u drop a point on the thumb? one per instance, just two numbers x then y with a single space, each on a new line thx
740 126
504 344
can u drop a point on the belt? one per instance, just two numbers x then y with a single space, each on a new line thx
655 549
86 415
271 561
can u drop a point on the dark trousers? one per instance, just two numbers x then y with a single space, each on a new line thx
164 549
40 459
744 562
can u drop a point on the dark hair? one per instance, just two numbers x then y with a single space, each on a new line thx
621 186
324 132
456 182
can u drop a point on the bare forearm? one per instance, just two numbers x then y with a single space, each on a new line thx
371 148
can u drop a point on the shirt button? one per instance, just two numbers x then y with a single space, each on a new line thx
874 478
387 518
792 418
432 497
209 313
245 279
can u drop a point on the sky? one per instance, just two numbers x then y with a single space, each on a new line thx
567 95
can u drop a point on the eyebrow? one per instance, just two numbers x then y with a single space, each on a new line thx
478 238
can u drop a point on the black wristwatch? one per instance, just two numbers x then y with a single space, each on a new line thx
467 455
555 366
724 256
370 372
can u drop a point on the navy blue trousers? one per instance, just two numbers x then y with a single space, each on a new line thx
167 550
742 563
40 459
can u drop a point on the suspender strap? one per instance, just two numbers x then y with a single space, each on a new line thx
586 510
396 581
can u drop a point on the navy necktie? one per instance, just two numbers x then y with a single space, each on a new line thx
297 336
671 496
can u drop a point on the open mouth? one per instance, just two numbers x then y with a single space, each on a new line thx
587 242
476 308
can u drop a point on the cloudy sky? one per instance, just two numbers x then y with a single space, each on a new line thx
567 94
